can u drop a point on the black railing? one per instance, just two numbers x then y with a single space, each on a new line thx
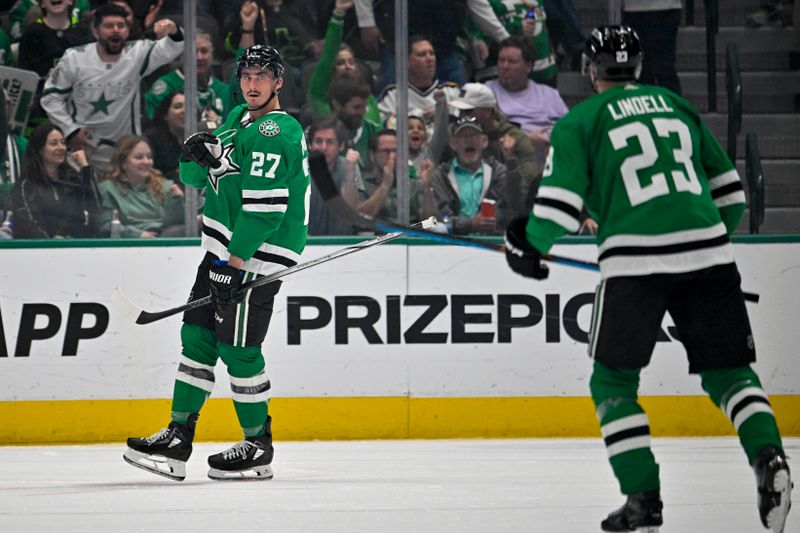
712 28
755 181
733 84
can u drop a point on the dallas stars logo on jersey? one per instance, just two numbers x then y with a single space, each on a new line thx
269 128
227 166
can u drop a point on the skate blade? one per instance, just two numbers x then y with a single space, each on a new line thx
647 529
259 473
776 518
156 464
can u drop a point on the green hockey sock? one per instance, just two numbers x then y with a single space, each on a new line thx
249 386
195 379
738 392
625 428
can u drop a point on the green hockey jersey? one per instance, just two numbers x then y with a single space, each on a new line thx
256 202
654 178
216 97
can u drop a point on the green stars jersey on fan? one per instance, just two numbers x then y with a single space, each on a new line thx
256 203
650 173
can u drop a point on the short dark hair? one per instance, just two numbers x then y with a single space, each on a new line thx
344 88
515 41
417 38
108 10
373 141
328 122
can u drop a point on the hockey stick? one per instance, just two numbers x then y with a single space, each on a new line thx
139 316
330 193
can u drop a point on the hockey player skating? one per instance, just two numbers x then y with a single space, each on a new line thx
254 170
666 198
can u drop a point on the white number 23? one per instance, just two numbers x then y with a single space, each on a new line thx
683 180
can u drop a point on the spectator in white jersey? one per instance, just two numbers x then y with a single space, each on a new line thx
422 84
93 93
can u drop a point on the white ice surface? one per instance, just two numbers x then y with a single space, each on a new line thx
480 486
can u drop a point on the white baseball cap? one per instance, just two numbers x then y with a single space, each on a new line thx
474 95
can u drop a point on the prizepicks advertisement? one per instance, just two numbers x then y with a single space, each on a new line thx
393 320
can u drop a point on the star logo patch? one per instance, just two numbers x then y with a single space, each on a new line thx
101 105
227 168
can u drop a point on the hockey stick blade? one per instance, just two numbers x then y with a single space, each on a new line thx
330 193
140 316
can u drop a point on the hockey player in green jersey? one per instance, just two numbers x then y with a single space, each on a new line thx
666 198
254 170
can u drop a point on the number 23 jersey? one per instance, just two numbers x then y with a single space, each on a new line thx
650 173
256 203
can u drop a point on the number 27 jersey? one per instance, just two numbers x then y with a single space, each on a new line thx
650 173
256 202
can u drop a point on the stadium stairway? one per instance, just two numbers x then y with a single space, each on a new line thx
770 70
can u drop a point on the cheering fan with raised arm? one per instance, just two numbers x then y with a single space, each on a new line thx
254 170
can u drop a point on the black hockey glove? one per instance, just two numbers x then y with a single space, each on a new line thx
225 285
203 148
521 256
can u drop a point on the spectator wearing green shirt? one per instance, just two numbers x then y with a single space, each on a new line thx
337 59
349 103
212 94
147 204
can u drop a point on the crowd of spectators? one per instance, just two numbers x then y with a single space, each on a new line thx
99 156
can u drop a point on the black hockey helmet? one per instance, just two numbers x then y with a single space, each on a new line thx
615 52
262 56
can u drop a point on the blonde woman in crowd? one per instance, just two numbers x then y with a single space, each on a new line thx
145 203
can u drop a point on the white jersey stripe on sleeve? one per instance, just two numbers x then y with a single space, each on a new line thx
730 199
558 216
562 195
723 179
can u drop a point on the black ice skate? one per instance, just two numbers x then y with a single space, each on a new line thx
164 453
245 460
774 488
641 512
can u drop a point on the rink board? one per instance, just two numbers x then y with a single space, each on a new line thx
400 341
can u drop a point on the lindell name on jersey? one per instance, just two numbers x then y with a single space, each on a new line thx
638 105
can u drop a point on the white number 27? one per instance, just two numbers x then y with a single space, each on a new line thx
256 169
